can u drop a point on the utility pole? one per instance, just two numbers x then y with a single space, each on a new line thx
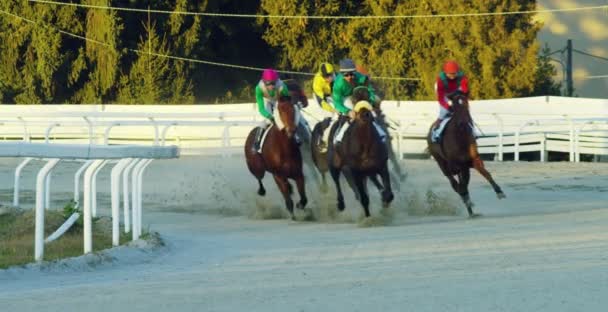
569 82
149 43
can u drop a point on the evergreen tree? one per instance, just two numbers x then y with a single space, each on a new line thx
545 71
102 61
37 59
148 80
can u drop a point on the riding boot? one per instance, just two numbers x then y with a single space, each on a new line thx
381 132
258 138
339 132
435 131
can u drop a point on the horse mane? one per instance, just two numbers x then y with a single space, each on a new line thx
296 92
292 85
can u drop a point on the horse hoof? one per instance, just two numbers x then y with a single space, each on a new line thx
300 206
501 195
387 198
385 204
475 216
341 206
261 192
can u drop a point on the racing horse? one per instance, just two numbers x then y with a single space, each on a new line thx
361 155
456 151
280 155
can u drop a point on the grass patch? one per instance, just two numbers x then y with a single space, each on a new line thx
17 237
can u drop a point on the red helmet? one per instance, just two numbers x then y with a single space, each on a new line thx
451 67
270 74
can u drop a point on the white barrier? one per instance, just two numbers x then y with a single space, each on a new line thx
222 129
99 154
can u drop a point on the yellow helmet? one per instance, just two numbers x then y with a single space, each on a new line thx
363 104
326 69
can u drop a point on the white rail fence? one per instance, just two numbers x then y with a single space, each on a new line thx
574 126
98 155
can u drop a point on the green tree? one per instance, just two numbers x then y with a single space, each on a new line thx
499 53
545 71
148 79
36 59
101 61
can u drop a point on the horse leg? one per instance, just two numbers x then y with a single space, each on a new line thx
376 182
261 189
348 176
443 166
254 160
335 174
284 186
359 182
464 176
387 194
302 191
478 165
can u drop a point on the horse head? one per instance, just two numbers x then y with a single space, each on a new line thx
363 112
298 97
460 104
287 113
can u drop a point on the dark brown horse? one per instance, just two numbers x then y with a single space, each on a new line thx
456 152
361 155
280 156
321 158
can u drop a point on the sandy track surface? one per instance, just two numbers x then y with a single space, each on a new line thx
544 248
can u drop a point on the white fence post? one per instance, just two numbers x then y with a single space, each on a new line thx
500 137
94 188
88 198
125 193
115 193
572 138
135 218
77 181
16 185
47 191
40 201
543 148
140 195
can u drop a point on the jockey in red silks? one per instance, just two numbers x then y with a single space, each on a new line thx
450 79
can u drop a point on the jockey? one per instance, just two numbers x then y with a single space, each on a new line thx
322 85
267 93
346 81
450 79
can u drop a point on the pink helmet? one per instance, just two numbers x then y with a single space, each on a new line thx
270 74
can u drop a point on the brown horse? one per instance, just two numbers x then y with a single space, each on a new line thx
456 153
361 155
280 156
